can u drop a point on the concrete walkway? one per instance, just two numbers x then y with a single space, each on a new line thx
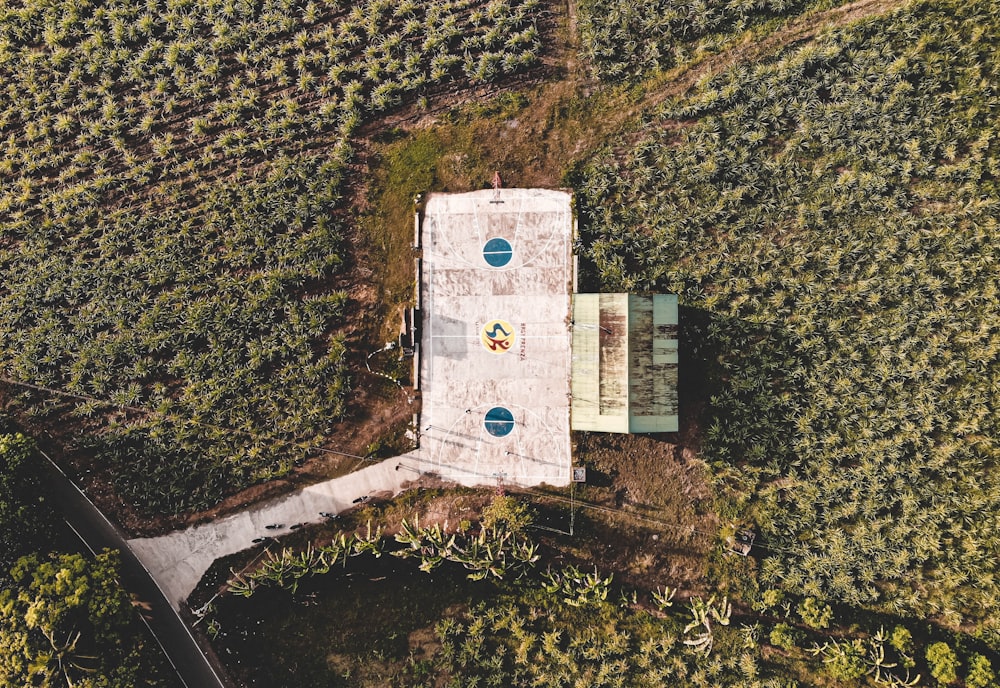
178 560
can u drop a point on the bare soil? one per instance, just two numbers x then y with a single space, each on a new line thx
654 523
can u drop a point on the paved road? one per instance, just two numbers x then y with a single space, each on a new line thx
97 532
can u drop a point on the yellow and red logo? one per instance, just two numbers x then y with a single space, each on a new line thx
498 336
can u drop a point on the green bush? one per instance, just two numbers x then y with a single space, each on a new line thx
785 636
507 512
902 639
846 661
69 622
771 598
26 522
943 663
815 614
980 674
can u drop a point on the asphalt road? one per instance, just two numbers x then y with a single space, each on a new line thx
97 533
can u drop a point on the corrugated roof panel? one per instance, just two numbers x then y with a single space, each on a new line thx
612 333
625 356
584 389
656 366
599 372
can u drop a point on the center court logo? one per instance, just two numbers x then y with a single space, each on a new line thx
498 336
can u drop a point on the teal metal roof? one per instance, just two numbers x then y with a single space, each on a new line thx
624 373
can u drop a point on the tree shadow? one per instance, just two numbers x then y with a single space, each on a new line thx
737 387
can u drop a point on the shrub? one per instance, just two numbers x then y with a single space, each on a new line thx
770 599
943 663
980 673
902 639
815 614
784 636
508 512
846 661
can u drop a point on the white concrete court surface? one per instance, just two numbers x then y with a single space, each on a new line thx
496 284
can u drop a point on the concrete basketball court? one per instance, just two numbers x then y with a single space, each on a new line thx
496 284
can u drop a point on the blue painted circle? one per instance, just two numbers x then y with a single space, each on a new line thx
499 421
497 252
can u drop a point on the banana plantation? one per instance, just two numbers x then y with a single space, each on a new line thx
490 553
185 210
172 182
522 625
626 40
829 217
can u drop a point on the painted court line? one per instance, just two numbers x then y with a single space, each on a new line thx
503 337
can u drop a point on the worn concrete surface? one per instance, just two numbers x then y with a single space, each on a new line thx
525 367
178 560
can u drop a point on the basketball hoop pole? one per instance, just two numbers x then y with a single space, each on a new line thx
497 185
572 506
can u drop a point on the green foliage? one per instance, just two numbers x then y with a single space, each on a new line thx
943 663
664 598
704 616
845 661
576 588
784 636
25 522
828 218
902 639
624 39
980 674
545 643
505 511
561 625
902 642
172 215
815 614
69 623
490 553
770 599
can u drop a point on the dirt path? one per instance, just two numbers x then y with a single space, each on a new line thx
679 81
801 30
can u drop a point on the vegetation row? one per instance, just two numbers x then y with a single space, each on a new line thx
171 212
629 40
